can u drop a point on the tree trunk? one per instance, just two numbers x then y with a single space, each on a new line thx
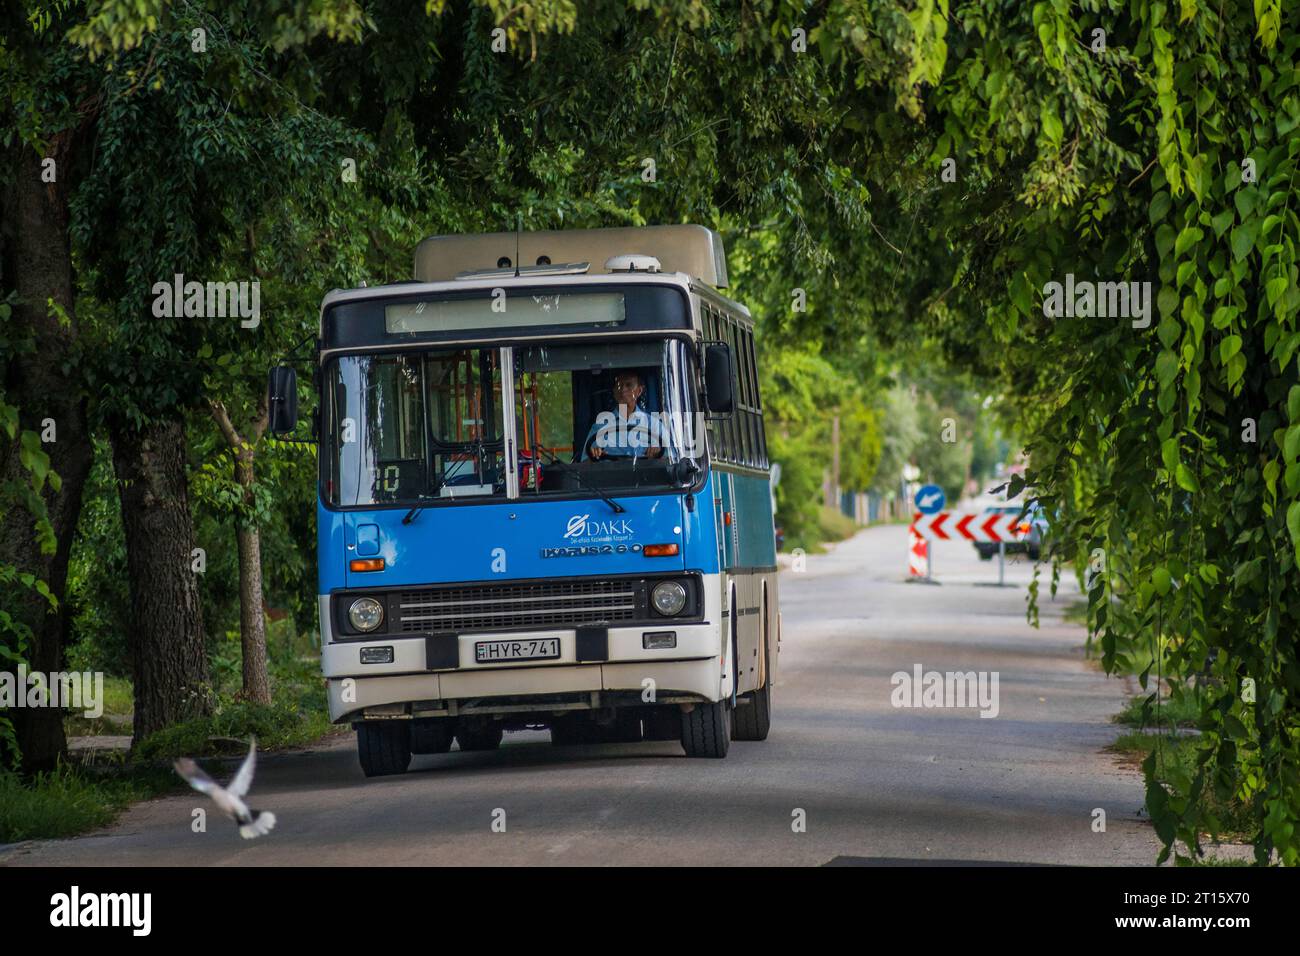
252 623
171 662
252 620
35 262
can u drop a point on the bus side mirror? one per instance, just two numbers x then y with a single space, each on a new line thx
282 400
718 394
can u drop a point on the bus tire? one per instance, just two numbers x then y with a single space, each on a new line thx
432 735
483 737
384 747
753 717
706 729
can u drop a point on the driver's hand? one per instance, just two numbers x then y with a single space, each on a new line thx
653 452
597 451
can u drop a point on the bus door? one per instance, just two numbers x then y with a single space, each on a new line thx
726 504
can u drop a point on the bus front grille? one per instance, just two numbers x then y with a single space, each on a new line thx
505 606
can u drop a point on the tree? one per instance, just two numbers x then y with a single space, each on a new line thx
41 162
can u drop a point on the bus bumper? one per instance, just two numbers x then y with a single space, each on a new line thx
691 670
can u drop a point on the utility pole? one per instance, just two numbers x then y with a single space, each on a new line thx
835 463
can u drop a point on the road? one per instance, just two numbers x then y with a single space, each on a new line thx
875 783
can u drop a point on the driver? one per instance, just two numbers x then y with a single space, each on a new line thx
630 432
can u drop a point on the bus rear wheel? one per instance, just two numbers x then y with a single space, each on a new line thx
706 729
384 747
753 717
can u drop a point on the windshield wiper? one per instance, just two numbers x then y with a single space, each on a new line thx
564 466
414 512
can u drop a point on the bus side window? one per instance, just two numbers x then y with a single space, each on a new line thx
736 423
717 435
746 398
753 423
758 408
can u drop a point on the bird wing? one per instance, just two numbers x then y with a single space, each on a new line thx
244 778
194 776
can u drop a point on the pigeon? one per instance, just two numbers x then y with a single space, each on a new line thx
252 823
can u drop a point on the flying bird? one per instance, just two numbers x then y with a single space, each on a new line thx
252 823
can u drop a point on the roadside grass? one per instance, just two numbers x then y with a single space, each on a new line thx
1142 711
93 787
1178 759
1169 723
297 715
72 799
118 706
1076 612
832 525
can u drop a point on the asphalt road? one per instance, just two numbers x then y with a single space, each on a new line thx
874 782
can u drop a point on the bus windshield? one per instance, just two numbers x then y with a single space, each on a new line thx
427 426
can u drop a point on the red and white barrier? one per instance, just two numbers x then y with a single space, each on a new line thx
918 555
949 526
995 527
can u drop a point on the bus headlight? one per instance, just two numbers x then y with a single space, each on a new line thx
366 614
668 597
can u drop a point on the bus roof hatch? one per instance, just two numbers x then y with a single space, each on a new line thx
694 250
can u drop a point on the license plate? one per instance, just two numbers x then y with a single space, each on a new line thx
525 649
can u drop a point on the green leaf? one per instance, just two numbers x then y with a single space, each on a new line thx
1052 128
1221 222
1189 237
1243 239
1243 199
1229 347
1169 454
1236 369
1169 331
1166 367
1160 204
1164 239
1293 525
1161 581
1167 300
1186 480
1291 444
1274 288
1223 316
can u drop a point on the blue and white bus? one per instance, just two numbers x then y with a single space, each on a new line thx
544 497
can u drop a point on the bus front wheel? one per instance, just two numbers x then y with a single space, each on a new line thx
706 729
384 747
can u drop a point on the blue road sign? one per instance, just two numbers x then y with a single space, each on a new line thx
930 499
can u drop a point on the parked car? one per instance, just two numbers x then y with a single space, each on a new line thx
1031 544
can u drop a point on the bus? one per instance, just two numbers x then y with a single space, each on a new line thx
544 497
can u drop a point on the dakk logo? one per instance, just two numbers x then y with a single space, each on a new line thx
580 526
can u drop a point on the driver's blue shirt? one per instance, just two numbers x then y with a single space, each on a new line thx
623 438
